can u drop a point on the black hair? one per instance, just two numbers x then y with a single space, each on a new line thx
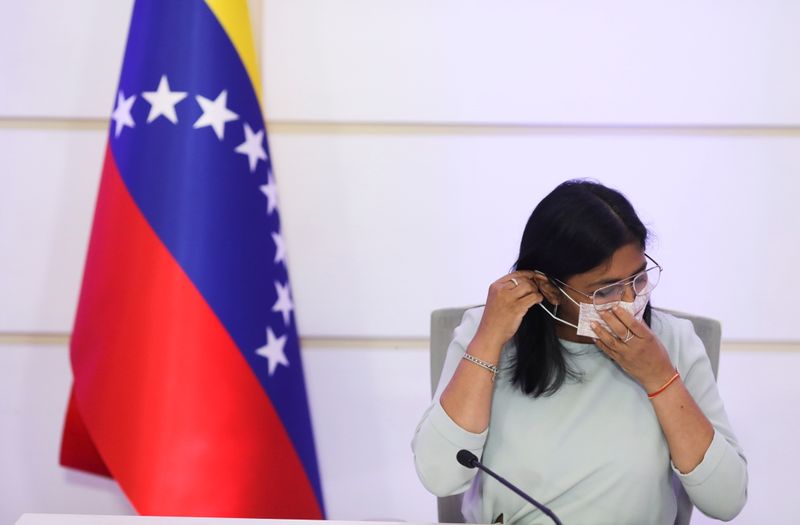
576 228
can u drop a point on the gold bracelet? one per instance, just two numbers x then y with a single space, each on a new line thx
483 364
671 380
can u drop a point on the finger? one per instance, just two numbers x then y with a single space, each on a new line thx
513 277
528 274
518 282
637 327
617 327
523 275
606 337
522 289
532 299
504 280
610 352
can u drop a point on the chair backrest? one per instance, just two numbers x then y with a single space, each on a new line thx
444 321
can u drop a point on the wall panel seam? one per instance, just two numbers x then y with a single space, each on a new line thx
308 127
398 343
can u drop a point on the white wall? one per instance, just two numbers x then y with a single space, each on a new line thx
410 142
532 61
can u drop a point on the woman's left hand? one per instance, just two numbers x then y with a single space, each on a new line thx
634 347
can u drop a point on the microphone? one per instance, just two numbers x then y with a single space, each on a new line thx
470 460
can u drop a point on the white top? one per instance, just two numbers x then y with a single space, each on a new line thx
593 452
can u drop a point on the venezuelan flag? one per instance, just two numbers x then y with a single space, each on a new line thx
188 380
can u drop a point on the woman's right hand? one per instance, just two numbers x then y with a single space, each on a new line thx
509 298
467 399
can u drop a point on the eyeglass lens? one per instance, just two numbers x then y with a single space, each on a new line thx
643 283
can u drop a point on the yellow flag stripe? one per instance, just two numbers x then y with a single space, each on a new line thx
235 20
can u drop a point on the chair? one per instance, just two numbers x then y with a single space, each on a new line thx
445 320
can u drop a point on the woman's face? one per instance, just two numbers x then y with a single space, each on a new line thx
624 263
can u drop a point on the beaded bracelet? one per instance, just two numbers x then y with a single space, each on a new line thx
671 380
483 364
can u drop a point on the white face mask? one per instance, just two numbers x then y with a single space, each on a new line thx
588 313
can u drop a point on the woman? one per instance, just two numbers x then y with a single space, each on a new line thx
569 385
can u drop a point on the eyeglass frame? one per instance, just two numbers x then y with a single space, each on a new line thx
628 281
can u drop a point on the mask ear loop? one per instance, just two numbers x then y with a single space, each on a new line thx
554 313
551 314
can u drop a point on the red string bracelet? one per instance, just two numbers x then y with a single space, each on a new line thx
672 379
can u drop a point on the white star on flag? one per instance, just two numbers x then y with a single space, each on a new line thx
271 191
284 303
252 147
162 101
215 113
280 248
122 114
273 351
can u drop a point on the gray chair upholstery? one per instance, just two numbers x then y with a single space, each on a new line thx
445 320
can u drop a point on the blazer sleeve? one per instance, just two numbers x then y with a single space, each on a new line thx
718 485
438 438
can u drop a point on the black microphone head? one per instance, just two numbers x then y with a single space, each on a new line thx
467 458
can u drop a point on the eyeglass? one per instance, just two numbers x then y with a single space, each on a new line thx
610 295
